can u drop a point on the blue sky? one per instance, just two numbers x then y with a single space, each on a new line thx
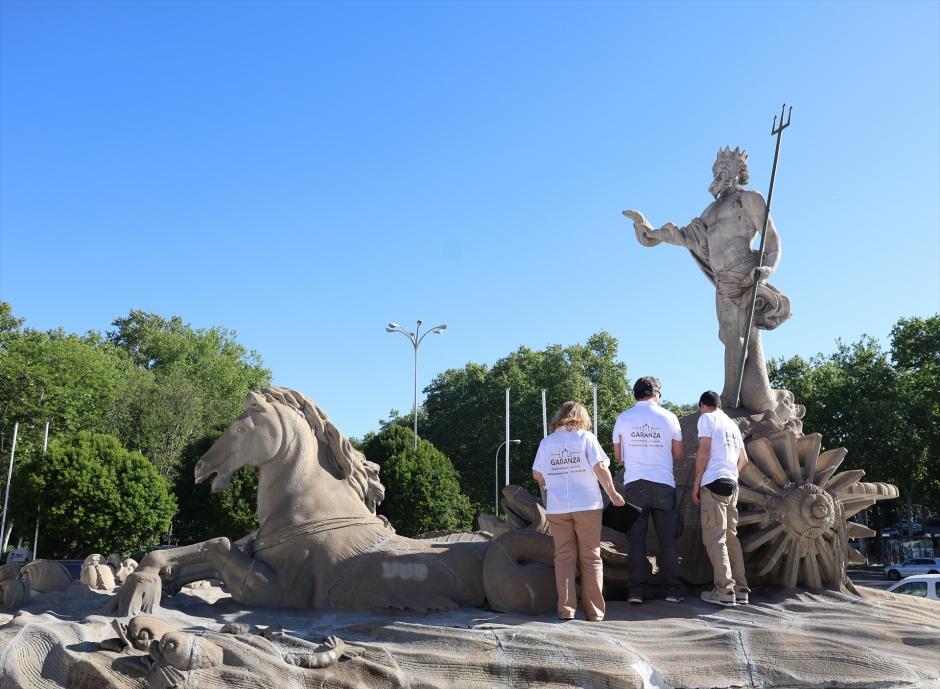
304 173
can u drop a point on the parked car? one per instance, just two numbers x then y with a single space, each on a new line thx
920 585
913 565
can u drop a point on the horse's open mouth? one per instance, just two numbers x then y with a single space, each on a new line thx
219 481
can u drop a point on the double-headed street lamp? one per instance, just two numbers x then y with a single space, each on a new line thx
496 496
415 338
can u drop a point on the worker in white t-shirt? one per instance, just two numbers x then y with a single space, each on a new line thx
648 439
720 457
568 465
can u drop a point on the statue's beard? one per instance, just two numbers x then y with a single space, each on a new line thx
720 185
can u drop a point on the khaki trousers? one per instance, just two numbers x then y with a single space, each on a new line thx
720 536
577 537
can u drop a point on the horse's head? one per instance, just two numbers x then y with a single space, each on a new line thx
253 439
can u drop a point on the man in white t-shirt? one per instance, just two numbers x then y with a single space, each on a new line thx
720 457
648 439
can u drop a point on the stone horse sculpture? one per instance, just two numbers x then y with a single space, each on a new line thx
320 543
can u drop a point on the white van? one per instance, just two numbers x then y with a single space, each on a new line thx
920 585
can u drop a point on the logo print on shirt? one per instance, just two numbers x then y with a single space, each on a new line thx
646 431
564 457
730 440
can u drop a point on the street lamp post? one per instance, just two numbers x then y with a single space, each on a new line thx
496 494
415 338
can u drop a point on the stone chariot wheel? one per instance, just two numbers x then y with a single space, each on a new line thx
794 523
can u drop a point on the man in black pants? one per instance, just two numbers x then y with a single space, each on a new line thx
647 439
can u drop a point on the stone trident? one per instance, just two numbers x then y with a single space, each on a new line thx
778 130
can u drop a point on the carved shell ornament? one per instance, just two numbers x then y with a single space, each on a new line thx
794 510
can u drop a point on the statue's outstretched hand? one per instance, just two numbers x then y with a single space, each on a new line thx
139 593
637 217
645 234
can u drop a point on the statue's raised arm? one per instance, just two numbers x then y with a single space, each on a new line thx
648 236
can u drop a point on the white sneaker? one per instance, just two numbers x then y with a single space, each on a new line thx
740 595
716 597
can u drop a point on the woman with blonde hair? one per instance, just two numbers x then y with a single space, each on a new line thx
568 466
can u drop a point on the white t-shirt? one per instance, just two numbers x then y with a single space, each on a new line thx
645 434
726 446
566 459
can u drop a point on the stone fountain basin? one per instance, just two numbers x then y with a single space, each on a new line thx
785 638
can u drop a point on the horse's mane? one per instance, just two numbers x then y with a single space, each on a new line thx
361 474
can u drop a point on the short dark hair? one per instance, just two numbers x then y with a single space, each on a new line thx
646 387
710 398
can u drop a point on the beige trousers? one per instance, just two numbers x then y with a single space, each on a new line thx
720 536
577 537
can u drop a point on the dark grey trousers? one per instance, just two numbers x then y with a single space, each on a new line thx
659 501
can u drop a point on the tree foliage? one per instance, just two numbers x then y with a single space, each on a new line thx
202 514
69 380
883 406
95 496
187 382
422 489
154 383
464 411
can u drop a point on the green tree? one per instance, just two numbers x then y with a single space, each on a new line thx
219 367
157 414
188 382
202 514
881 406
9 324
68 380
465 408
422 489
915 352
95 497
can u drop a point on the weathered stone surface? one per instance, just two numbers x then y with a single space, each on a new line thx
786 638
10 570
31 579
97 574
45 575
122 567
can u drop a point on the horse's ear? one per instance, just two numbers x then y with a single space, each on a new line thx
253 399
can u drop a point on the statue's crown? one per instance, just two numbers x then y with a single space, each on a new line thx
738 155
